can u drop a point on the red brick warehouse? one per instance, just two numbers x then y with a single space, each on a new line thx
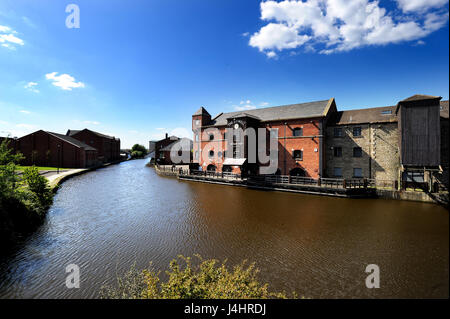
298 129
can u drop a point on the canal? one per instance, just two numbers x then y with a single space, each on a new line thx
106 220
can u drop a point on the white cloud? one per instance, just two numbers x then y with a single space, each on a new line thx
25 112
342 25
419 5
31 86
264 104
8 39
64 81
245 34
244 105
4 28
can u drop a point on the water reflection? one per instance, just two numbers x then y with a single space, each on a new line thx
318 246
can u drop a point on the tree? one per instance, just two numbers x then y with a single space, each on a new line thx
138 151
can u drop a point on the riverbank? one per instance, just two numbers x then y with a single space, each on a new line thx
55 180
19 217
322 187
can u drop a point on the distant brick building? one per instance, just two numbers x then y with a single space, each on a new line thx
163 148
405 142
43 148
108 147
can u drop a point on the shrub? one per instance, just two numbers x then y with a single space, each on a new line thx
208 280
38 186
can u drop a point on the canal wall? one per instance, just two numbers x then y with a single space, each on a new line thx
56 181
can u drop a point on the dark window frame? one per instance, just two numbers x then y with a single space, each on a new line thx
358 149
297 130
334 171
335 153
297 158
357 130
356 176
336 130
211 154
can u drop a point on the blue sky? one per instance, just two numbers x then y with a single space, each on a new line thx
139 69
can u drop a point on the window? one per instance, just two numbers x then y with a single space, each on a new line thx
357 131
338 132
161 155
413 177
298 131
196 137
211 137
357 152
297 155
357 172
211 153
337 172
196 155
219 154
337 151
197 122
386 112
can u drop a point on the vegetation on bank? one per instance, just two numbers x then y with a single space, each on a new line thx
210 279
138 151
24 198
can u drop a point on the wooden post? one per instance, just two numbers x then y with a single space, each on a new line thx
344 184
319 182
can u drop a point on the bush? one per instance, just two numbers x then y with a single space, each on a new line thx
209 280
38 186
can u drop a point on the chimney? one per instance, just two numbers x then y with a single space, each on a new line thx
167 135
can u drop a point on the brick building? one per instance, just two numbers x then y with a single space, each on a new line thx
163 148
317 140
297 128
43 148
108 147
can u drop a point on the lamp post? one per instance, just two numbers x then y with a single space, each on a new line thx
59 157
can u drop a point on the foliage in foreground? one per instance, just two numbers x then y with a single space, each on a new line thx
138 151
210 279
24 199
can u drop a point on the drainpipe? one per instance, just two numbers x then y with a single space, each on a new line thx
285 150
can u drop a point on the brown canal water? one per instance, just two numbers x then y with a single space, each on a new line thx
106 220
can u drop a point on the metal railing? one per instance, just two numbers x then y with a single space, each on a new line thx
212 174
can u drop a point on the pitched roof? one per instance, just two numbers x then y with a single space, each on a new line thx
73 132
73 141
201 111
384 114
419 97
181 140
444 109
284 112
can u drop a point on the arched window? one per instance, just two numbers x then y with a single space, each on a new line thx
227 169
211 168
297 172
211 153
211 137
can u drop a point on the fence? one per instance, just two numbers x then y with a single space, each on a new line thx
211 174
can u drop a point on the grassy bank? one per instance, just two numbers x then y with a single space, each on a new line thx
24 198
